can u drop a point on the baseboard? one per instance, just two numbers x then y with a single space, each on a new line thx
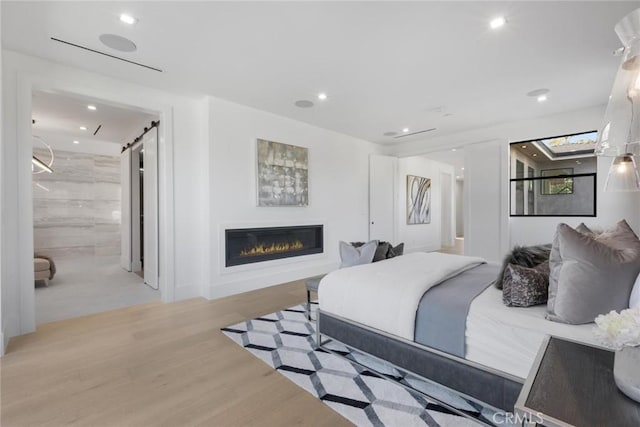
5 342
187 292
228 288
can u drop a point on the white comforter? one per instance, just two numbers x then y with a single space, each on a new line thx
385 295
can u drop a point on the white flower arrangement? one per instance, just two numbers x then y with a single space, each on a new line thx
619 330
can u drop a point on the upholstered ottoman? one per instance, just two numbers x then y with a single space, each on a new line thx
42 270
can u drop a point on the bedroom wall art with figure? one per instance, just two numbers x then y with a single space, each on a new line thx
418 200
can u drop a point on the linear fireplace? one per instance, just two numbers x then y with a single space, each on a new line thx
249 245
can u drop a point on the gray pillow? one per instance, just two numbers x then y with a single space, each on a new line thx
350 255
621 232
593 276
395 251
524 286
381 250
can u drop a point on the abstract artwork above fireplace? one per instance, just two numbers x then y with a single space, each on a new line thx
283 175
249 245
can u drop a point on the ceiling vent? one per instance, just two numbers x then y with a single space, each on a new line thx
414 133
106 54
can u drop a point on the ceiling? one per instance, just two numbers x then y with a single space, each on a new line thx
453 157
58 116
384 65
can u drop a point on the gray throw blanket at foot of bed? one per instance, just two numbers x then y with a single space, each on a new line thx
441 320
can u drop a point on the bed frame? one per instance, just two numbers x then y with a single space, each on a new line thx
482 384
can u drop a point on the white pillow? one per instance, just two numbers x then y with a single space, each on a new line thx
350 255
634 301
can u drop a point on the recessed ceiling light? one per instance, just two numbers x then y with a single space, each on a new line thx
83 128
461 168
535 155
91 107
405 130
322 96
128 19
76 142
497 22
453 149
524 146
542 98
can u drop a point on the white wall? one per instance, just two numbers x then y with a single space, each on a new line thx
486 200
421 237
185 181
338 193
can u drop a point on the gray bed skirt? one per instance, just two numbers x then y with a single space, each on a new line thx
482 384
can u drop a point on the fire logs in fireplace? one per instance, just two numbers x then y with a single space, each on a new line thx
249 245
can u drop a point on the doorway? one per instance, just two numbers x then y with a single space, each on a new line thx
77 206
139 232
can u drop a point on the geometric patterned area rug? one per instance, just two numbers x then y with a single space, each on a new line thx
285 340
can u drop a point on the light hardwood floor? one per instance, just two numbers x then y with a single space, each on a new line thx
154 365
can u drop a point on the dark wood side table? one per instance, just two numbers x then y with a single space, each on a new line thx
572 384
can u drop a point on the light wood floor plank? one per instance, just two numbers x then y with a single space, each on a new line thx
154 365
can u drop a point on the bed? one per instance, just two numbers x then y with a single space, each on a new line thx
462 337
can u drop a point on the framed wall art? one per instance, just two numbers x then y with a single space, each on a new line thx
418 200
282 174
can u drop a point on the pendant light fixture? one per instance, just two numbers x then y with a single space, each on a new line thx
620 136
41 166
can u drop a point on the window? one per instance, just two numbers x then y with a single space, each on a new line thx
560 178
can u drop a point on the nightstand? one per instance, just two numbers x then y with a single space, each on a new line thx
572 384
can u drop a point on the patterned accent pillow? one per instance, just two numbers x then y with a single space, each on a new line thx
524 256
524 286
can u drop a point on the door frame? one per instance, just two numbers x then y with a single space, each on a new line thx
449 197
26 85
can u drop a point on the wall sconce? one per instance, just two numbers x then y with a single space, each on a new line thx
620 136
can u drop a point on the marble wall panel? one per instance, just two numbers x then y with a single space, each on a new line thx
106 190
68 167
107 239
107 169
47 212
63 236
107 211
77 208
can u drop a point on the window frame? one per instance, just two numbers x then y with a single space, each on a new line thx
594 175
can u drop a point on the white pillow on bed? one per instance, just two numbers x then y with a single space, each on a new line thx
350 255
634 301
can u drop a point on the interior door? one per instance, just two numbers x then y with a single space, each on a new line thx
382 171
125 213
136 208
150 208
